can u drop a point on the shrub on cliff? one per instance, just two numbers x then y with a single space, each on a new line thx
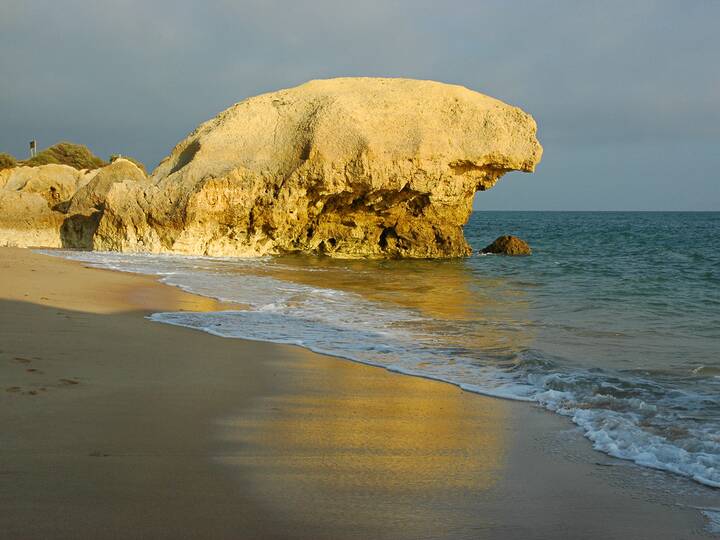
7 161
134 161
65 153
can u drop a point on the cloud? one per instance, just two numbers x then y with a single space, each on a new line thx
136 76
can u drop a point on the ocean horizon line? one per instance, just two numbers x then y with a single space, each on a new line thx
606 211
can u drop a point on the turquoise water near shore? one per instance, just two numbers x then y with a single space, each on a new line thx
613 321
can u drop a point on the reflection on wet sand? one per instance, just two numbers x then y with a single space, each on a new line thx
482 316
343 439
150 298
438 289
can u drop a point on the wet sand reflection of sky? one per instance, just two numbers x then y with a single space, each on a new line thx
344 432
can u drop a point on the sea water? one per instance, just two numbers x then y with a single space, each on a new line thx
614 321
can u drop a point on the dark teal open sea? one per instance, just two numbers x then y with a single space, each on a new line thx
614 321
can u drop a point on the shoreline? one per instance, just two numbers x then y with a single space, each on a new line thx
181 434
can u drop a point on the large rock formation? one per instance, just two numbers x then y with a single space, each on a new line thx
55 183
86 208
29 199
27 220
347 167
39 205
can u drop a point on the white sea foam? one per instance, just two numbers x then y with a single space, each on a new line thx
625 416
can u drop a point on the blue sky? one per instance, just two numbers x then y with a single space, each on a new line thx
626 94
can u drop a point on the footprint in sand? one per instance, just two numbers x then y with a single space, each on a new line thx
69 382
33 370
19 390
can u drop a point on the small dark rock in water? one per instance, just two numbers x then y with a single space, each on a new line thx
508 245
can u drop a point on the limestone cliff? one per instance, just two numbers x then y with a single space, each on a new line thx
347 167
353 167
54 205
86 207
27 220
28 197
55 183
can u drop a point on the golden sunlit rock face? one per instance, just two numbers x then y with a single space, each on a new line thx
353 167
57 205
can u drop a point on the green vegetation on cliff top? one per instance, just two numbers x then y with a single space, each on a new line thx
64 153
7 161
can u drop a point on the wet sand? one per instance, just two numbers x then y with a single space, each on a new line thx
113 426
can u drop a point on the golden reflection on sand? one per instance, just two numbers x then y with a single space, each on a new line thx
476 311
349 432
150 297
344 432
435 288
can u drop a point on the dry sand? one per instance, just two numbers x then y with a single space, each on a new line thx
113 426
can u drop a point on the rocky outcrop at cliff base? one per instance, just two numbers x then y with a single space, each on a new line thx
38 205
352 167
508 245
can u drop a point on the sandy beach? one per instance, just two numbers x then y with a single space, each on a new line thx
114 426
